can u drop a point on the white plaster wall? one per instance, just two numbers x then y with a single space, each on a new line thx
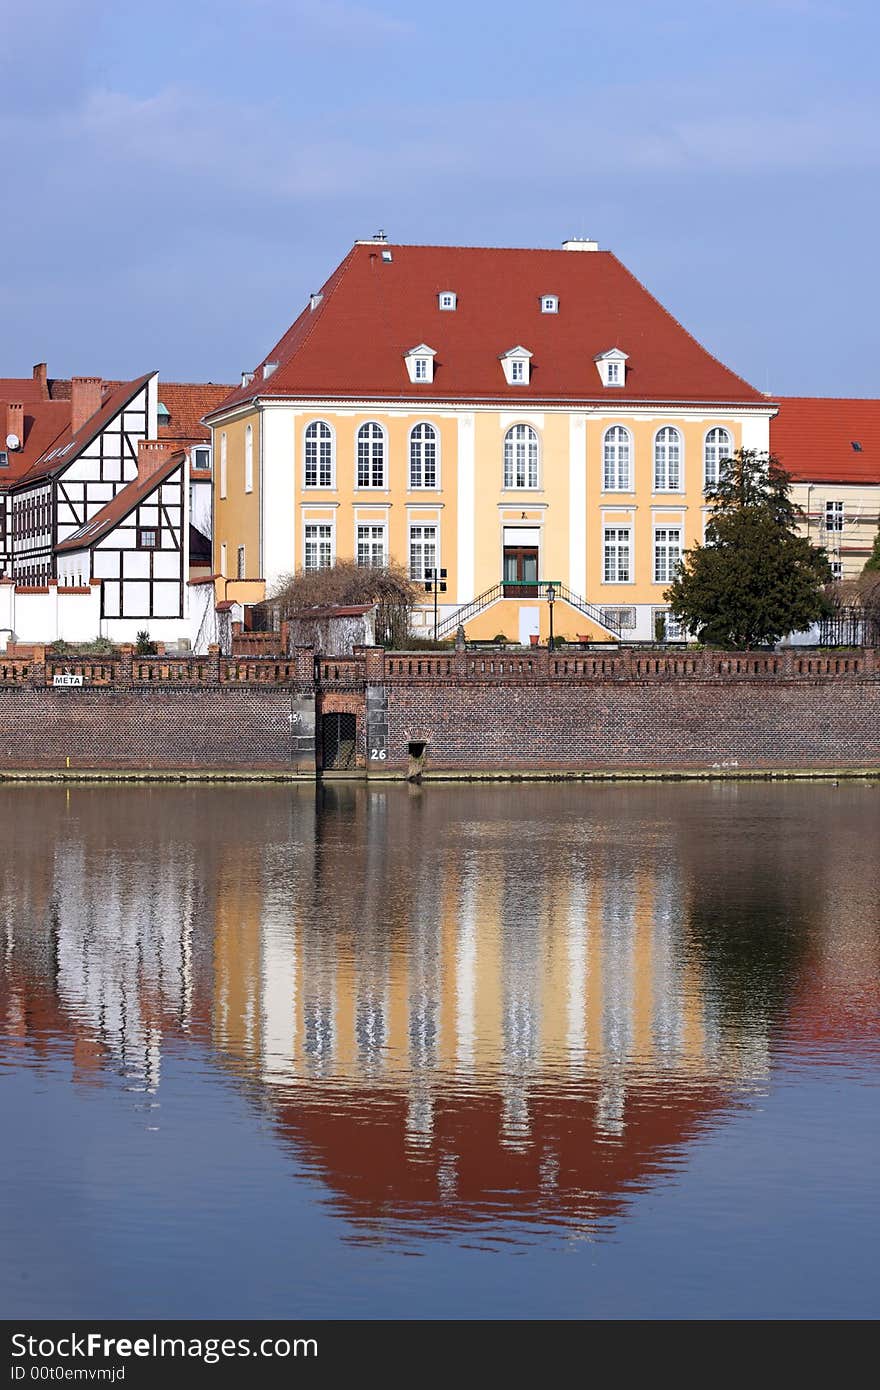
466 503
200 514
756 432
278 495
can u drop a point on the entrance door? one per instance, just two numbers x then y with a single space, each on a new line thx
520 571
338 738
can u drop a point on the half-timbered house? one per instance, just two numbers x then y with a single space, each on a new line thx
137 546
80 472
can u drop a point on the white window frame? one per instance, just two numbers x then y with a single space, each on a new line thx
241 563
835 515
202 467
674 630
224 465
223 558
615 485
447 300
663 439
518 359
370 542
663 566
381 438
415 573
549 303
613 573
531 465
248 458
419 443
712 448
317 541
836 567
320 442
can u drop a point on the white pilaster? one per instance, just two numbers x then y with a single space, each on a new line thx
466 505
278 496
577 504
756 433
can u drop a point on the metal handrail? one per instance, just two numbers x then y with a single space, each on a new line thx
575 601
470 610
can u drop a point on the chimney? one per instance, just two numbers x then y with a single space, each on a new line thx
152 453
40 376
85 399
580 243
11 422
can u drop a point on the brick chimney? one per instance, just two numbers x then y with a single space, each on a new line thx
85 399
41 377
152 453
11 421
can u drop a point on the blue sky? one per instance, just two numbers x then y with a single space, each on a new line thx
178 177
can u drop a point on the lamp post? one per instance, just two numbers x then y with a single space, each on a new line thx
551 599
435 583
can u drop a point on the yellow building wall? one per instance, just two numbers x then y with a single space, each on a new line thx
237 515
547 508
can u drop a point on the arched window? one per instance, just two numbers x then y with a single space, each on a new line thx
521 457
318 454
249 459
223 463
423 456
667 460
617 460
718 446
371 455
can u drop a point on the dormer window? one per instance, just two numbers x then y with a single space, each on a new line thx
517 366
448 300
611 367
549 303
420 364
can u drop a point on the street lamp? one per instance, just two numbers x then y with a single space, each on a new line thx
435 583
551 599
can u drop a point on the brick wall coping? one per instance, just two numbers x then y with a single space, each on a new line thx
375 666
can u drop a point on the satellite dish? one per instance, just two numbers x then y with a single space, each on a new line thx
13 441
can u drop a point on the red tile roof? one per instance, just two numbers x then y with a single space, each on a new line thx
372 311
187 402
45 422
121 505
813 437
21 388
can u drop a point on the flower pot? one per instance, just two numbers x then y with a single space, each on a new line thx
534 638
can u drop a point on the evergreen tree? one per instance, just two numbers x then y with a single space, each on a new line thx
872 563
755 579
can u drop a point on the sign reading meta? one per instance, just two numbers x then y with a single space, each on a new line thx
67 678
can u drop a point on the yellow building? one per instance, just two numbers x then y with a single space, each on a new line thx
513 417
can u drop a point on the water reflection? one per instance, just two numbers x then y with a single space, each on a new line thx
456 1005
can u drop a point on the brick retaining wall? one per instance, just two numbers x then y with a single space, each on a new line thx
219 728
476 712
687 725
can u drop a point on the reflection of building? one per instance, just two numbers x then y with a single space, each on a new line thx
458 1004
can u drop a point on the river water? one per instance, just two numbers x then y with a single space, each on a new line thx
499 1050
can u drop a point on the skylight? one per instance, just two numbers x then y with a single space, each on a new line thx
856 445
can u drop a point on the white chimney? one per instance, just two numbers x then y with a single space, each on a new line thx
580 243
